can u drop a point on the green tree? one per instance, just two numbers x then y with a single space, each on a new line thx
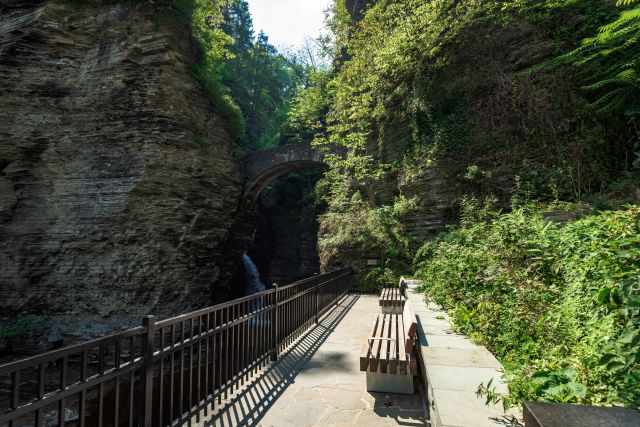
261 80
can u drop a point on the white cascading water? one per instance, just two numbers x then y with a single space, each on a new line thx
254 284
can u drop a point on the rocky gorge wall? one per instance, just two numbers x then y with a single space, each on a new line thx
118 186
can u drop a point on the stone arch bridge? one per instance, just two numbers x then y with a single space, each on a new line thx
262 167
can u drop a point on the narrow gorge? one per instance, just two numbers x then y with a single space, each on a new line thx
158 157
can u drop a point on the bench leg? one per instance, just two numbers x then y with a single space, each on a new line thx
389 383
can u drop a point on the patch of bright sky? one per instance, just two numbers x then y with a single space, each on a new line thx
288 22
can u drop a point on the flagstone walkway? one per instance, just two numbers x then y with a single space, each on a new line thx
318 381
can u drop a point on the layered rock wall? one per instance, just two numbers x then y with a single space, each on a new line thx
118 188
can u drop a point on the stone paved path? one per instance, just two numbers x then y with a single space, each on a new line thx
318 382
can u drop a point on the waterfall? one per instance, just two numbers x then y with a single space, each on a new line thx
254 284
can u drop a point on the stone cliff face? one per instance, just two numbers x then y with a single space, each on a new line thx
118 187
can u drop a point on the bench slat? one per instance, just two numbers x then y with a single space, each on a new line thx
367 348
384 352
375 346
393 357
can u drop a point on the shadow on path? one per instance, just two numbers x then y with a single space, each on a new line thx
250 404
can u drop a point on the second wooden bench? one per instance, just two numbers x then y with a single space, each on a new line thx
388 357
392 301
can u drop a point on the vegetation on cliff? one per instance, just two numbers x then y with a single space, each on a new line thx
559 305
483 94
248 81
521 104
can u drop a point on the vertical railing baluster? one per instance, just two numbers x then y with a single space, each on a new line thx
161 379
190 391
234 343
100 404
132 385
217 355
274 325
172 374
116 402
41 390
15 390
63 387
206 364
101 368
116 392
181 393
245 351
226 352
253 330
149 324
199 373
315 305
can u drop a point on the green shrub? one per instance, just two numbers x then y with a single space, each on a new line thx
205 18
559 305
361 231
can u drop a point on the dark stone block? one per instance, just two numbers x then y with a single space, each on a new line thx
537 414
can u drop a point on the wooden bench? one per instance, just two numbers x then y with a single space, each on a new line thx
388 357
392 301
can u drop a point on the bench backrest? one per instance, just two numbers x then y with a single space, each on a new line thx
411 328
391 294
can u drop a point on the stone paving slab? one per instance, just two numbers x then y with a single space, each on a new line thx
455 367
318 383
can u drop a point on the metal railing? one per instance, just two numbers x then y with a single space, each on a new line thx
165 372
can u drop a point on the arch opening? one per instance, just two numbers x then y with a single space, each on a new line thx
280 197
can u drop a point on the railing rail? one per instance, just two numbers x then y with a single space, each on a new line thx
165 372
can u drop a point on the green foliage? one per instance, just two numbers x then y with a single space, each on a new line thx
608 64
406 81
206 19
558 304
262 80
248 81
306 120
377 232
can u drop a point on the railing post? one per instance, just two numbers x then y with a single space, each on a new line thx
317 303
149 323
274 328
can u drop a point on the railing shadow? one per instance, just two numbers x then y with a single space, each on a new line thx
250 404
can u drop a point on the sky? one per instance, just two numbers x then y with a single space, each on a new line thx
288 22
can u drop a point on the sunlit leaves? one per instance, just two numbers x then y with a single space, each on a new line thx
559 305
608 63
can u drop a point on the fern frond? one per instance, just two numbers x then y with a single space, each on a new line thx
608 63
626 17
602 84
611 101
629 76
619 33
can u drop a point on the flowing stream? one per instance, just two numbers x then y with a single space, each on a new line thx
254 284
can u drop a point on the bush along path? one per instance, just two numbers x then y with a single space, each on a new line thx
558 304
